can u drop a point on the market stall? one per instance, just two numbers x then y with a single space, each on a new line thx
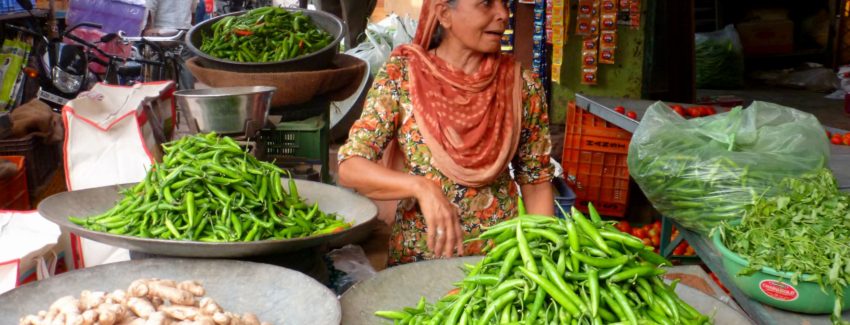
705 248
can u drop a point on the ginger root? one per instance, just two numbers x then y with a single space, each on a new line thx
250 319
193 287
204 320
180 312
141 307
221 318
172 294
146 302
208 306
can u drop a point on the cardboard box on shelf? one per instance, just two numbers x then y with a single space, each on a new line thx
58 5
767 37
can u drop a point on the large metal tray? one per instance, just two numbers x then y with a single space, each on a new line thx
275 294
402 286
352 207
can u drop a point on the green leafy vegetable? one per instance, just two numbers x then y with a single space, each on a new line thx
803 230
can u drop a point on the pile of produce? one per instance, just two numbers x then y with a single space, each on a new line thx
806 230
209 189
650 234
839 139
702 171
719 60
543 270
265 34
146 301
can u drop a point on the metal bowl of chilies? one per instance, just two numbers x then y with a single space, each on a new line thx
231 110
354 208
318 60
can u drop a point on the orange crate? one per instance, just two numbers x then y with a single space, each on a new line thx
14 195
595 162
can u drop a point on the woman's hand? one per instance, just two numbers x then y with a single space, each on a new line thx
445 235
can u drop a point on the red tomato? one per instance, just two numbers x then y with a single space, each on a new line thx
690 251
694 111
631 115
647 242
847 140
624 226
679 110
836 139
652 232
656 240
709 110
679 251
657 225
640 233
620 109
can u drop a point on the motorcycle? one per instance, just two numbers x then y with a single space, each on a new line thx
61 69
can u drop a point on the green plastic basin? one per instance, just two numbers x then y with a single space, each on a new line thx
774 288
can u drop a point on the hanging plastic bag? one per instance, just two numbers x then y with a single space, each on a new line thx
706 170
376 50
382 38
719 59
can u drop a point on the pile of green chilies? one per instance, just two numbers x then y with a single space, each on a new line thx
209 189
265 34
543 270
804 229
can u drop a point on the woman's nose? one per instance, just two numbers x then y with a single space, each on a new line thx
502 11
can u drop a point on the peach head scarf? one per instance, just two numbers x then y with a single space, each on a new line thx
470 123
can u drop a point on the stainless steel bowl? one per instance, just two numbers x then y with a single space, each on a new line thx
232 110
318 60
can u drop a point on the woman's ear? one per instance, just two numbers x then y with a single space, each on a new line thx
444 14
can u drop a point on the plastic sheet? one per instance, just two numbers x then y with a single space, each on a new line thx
706 170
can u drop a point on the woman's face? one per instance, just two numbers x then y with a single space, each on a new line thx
477 24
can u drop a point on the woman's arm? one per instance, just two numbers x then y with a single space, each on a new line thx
445 236
538 198
378 182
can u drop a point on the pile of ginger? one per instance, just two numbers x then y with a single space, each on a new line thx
146 302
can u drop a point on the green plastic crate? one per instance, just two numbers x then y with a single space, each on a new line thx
305 140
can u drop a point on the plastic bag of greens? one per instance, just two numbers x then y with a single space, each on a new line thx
719 59
706 170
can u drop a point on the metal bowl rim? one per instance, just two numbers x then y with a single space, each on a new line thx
334 43
224 91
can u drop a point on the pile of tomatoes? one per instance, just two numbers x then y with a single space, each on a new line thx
686 112
839 139
693 111
650 234
629 114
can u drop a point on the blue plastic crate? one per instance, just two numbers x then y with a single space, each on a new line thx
564 196
7 6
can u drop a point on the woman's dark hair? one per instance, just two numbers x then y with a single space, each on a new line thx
437 37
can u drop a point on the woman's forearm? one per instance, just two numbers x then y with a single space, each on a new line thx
378 182
538 198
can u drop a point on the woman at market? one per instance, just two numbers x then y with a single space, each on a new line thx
448 114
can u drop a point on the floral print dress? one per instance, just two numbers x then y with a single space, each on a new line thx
388 116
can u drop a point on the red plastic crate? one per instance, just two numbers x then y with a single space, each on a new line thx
14 195
42 160
595 162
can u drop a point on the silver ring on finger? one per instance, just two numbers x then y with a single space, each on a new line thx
439 231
